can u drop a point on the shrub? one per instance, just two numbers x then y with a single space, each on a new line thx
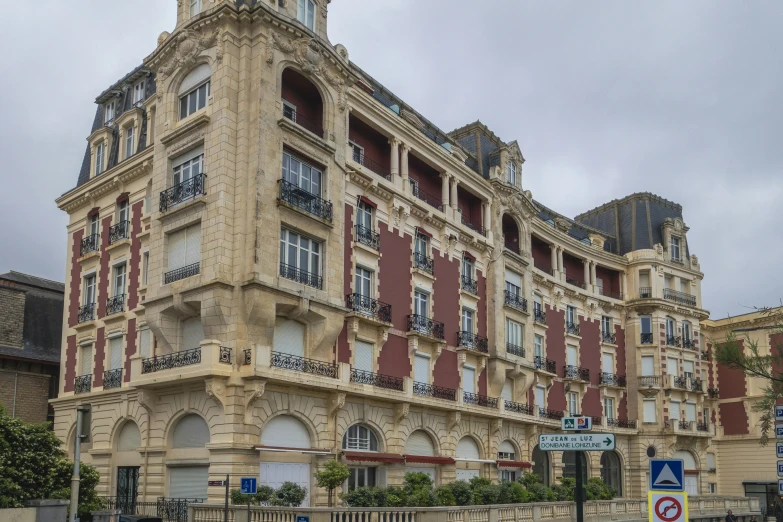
598 490
262 497
487 494
289 495
540 493
463 494
444 496
395 497
529 479
365 497
565 490
519 495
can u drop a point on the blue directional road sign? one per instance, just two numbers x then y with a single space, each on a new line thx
667 475
248 485
779 412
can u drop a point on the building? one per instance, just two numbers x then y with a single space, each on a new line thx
30 341
274 261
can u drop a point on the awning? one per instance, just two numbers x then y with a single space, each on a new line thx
514 464
369 456
282 449
468 255
425 459
423 232
367 201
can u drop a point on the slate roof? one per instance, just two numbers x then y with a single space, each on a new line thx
30 280
578 231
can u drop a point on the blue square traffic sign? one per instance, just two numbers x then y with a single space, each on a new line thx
779 431
779 449
248 485
779 412
780 468
667 475
302 518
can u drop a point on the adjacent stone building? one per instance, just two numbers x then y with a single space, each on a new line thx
30 342
274 261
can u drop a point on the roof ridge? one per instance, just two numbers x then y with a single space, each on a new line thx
635 195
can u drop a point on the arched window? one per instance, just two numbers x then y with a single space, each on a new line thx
302 102
419 443
129 437
569 464
359 437
194 91
691 471
468 449
191 432
285 431
611 471
541 465
511 234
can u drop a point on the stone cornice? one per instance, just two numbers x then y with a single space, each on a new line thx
547 232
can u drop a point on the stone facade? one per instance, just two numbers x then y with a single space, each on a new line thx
261 317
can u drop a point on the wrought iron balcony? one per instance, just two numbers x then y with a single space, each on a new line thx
119 232
680 382
86 313
90 244
545 364
304 200
611 379
423 263
610 294
713 393
621 423
572 328
539 316
437 392
672 341
171 360
368 306
425 197
82 384
182 273
115 305
645 292
376 379
290 113
475 399
688 343
469 284
702 426
514 300
473 341
369 237
301 276
685 425
597 421
696 385
575 372
546 413
679 297
287 361
651 381
112 379
518 407
515 350
371 164
478 228
187 190
647 338
610 338
575 282
425 326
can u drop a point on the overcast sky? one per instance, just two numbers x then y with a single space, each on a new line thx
682 99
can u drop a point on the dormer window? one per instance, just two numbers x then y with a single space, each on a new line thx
138 93
130 138
108 113
195 7
511 172
675 248
194 91
100 156
305 13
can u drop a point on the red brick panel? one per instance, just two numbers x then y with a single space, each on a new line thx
734 418
304 95
343 349
731 382
610 278
100 357
556 398
590 348
76 279
376 145
622 369
481 313
446 372
130 349
555 350
470 206
428 178
542 254
134 268
591 403
70 363
574 267
394 275
104 276
446 295
393 359
710 367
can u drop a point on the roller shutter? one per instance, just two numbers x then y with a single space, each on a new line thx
188 482
419 443
115 353
467 449
468 379
289 337
285 431
363 357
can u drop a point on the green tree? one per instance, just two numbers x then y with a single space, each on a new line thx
745 354
289 495
332 476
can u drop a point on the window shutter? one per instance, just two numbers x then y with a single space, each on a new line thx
421 370
419 443
690 411
507 393
506 447
688 367
144 343
191 432
671 366
571 360
468 379
285 431
195 77
364 357
674 410
710 460
649 411
289 337
87 360
514 278
115 349
540 397
176 250
467 449
687 458
192 333
608 363
188 482
648 366
130 437
644 279
193 245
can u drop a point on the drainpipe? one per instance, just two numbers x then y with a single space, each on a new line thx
16 381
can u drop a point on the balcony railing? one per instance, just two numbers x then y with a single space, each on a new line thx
621 423
368 306
169 509
478 228
647 338
425 197
469 284
90 244
540 265
426 326
515 349
473 341
702 426
119 232
291 113
112 379
437 392
86 313
475 399
545 364
181 192
610 338
301 276
575 372
611 379
171 360
713 393
518 407
651 381
546 413
115 305
376 379
673 341
539 316
370 164
182 273
304 200
645 292
679 297
287 361
610 294
575 282
696 386
680 382
597 421
514 300
688 343
572 328
82 384
369 237
685 425
423 263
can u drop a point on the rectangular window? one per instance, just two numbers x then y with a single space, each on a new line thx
511 172
100 158
599 283
138 92
609 408
122 211
690 411
94 225
364 216
108 113
86 360
606 326
684 286
188 170
363 282
414 186
541 396
302 174
573 400
513 333
648 366
363 356
710 461
671 366
195 7
130 136
670 327
538 304
115 353
357 151
467 268
607 363
467 320
305 13
650 411
361 477
420 304
644 279
145 343
713 488
570 314
146 267
646 324
674 410
506 475
675 248
420 246
194 100
687 367
184 248
119 279
667 281
513 283
421 369
300 252
572 356
89 289
538 346
686 332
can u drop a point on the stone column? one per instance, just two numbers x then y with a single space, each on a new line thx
404 168
560 259
488 221
586 266
553 251
593 276
624 284
445 179
453 199
395 159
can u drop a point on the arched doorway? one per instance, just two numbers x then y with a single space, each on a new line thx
286 432
302 102
611 471
691 471
541 465
569 464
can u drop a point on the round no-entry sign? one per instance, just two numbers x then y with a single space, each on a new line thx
668 509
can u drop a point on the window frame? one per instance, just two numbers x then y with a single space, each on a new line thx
571 314
418 298
421 242
296 177
100 157
313 257
538 345
355 147
359 442
467 320
607 325
305 13
573 409
196 91
119 275
145 259
123 211
195 7
362 276
89 289
188 166
468 267
109 112
365 214
609 407
130 141
515 332
654 411
675 245
352 482
139 91
511 172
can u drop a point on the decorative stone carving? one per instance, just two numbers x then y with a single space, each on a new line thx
495 425
411 118
563 225
216 389
187 47
401 412
336 403
146 400
453 419
253 392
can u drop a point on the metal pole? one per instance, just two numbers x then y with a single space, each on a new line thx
76 464
225 513
578 492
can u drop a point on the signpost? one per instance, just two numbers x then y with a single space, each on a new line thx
667 475
668 507
248 486
576 423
